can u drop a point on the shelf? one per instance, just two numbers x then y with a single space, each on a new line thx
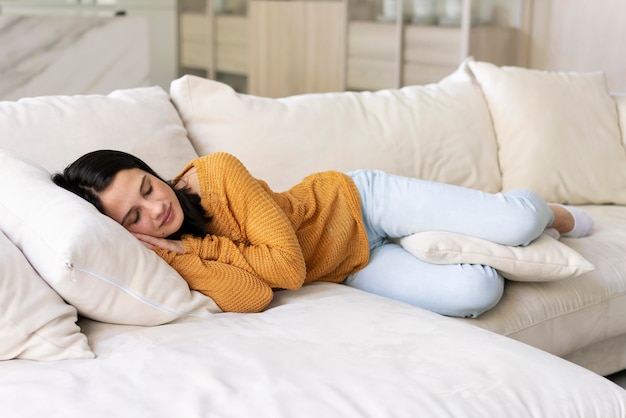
194 39
371 55
231 42
283 48
428 52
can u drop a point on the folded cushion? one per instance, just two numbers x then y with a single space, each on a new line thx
542 260
88 258
558 133
36 323
404 131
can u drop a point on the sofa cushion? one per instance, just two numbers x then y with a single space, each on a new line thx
440 132
26 330
542 260
53 131
88 258
558 133
564 316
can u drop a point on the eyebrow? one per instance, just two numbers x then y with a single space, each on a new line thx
144 179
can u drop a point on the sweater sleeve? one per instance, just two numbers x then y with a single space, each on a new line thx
239 274
268 246
233 289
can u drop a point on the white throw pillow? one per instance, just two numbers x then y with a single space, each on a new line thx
88 258
542 260
441 132
35 324
55 130
558 133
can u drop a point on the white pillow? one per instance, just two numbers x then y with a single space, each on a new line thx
55 130
36 323
441 132
542 260
89 259
558 133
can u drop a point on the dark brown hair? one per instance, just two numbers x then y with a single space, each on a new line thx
92 173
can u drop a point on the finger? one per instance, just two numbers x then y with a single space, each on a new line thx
147 245
146 240
144 237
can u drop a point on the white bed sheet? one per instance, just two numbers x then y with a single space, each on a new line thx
323 351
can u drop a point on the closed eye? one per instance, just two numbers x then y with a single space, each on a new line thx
137 217
133 216
145 182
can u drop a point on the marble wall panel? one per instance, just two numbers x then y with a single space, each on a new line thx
49 55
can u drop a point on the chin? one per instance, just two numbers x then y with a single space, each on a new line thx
174 233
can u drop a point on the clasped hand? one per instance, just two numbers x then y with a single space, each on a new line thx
163 243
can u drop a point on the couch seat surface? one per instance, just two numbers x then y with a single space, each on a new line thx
567 315
326 350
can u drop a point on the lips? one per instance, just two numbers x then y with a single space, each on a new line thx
168 216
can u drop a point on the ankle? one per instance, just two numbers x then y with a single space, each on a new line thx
563 220
571 222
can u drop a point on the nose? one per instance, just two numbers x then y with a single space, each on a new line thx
156 209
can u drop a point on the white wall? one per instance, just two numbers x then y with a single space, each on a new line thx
581 35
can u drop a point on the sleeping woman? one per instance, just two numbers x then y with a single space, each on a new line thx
235 240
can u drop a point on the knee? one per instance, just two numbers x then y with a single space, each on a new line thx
530 219
526 227
481 290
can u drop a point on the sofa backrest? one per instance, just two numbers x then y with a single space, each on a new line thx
487 127
440 132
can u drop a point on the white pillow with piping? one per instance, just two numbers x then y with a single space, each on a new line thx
88 258
35 324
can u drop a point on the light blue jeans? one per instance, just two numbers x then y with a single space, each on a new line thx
395 206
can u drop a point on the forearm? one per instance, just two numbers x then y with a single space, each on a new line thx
233 289
280 267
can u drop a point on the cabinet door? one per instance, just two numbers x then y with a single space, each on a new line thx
296 47
372 55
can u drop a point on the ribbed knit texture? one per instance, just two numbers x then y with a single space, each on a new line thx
260 240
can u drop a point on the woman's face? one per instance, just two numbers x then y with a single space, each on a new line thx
142 204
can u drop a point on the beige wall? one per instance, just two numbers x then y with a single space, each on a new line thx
580 35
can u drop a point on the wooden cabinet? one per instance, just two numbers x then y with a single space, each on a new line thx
215 46
296 47
372 55
194 41
383 53
285 47
276 49
232 44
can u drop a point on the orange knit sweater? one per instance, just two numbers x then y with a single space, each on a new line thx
260 240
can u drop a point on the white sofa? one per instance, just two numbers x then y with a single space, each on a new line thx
135 341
